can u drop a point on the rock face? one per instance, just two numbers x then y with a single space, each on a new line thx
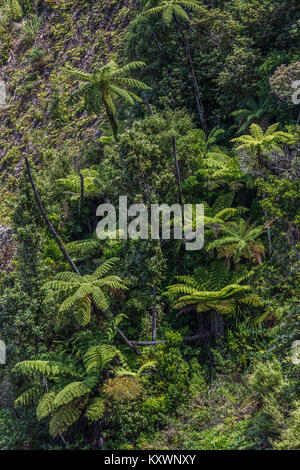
2 353
295 352
7 248
2 93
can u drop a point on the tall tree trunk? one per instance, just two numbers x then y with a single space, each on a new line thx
195 83
50 226
62 247
112 119
154 313
177 172
268 232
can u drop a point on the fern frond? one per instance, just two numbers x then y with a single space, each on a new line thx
99 299
46 405
98 357
29 397
72 391
95 409
63 418
111 329
83 311
105 267
44 368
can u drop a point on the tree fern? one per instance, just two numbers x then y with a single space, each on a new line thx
239 241
170 8
77 292
103 86
215 289
67 401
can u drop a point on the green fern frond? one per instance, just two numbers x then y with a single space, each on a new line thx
105 267
83 311
95 409
111 329
29 397
63 418
84 248
71 392
98 357
44 368
46 405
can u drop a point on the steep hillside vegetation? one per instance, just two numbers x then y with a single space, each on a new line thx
142 343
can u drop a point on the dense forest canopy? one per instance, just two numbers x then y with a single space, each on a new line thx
141 343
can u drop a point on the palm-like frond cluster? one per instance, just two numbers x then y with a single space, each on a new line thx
80 391
91 183
103 86
170 8
78 293
68 401
254 113
209 293
259 141
239 240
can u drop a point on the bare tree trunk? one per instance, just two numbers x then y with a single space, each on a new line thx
177 172
268 233
50 226
62 247
188 339
195 83
154 313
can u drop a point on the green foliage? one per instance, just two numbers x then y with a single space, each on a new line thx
223 376
104 85
174 8
191 294
259 142
239 241
78 293
66 403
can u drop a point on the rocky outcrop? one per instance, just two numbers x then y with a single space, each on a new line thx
7 248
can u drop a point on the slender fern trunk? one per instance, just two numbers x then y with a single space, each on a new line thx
177 171
62 247
50 226
195 83
112 119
